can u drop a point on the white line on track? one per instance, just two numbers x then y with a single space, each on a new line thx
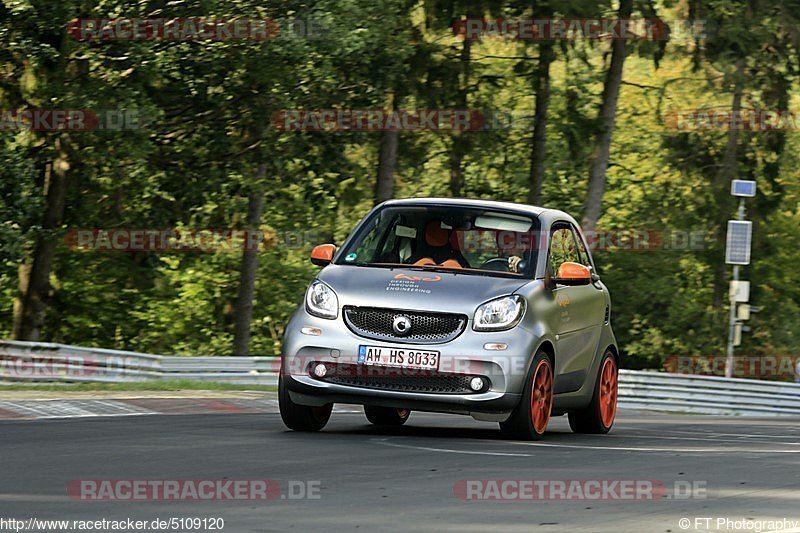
636 449
448 450
738 441
713 433
386 442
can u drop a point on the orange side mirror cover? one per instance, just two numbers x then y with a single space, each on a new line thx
322 254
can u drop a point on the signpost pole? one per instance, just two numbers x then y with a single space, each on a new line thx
732 322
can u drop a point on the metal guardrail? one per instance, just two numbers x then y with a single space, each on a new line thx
683 393
656 391
34 362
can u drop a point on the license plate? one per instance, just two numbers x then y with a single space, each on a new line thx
398 357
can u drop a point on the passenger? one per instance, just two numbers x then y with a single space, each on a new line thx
437 248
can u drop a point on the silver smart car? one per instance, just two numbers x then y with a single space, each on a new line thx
489 309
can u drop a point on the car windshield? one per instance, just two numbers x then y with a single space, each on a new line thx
453 238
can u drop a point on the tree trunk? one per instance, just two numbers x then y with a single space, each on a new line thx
608 113
460 146
243 309
457 164
539 143
387 163
722 183
30 307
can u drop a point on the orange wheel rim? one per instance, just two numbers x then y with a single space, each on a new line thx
541 396
608 392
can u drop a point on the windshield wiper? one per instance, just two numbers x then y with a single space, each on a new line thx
371 265
433 268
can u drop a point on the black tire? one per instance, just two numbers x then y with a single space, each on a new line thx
592 419
520 425
386 416
301 417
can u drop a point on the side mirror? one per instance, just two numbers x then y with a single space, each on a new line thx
573 274
322 254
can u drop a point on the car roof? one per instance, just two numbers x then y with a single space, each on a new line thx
547 215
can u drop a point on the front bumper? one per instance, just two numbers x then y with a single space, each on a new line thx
464 356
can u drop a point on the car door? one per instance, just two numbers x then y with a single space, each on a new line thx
580 310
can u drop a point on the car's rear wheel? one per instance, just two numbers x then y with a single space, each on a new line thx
529 419
386 416
301 417
598 416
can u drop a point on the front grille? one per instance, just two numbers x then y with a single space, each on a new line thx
426 328
398 379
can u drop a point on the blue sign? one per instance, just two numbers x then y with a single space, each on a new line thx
744 188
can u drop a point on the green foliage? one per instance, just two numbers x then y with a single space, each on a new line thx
206 109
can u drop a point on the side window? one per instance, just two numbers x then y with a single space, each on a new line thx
563 248
585 260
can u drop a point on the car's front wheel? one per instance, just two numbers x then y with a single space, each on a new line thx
386 416
529 420
301 417
598 416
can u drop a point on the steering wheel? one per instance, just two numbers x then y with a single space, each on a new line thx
502 260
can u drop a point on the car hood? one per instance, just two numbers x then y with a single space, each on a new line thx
415 290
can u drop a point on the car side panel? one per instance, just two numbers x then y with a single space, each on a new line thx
581 312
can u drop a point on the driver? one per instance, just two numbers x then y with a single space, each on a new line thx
510 245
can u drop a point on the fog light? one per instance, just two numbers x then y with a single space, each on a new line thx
476 384
320 370
308 330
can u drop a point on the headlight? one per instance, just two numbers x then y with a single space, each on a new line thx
321 301
500 314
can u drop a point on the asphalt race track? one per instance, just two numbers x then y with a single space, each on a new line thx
385 479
